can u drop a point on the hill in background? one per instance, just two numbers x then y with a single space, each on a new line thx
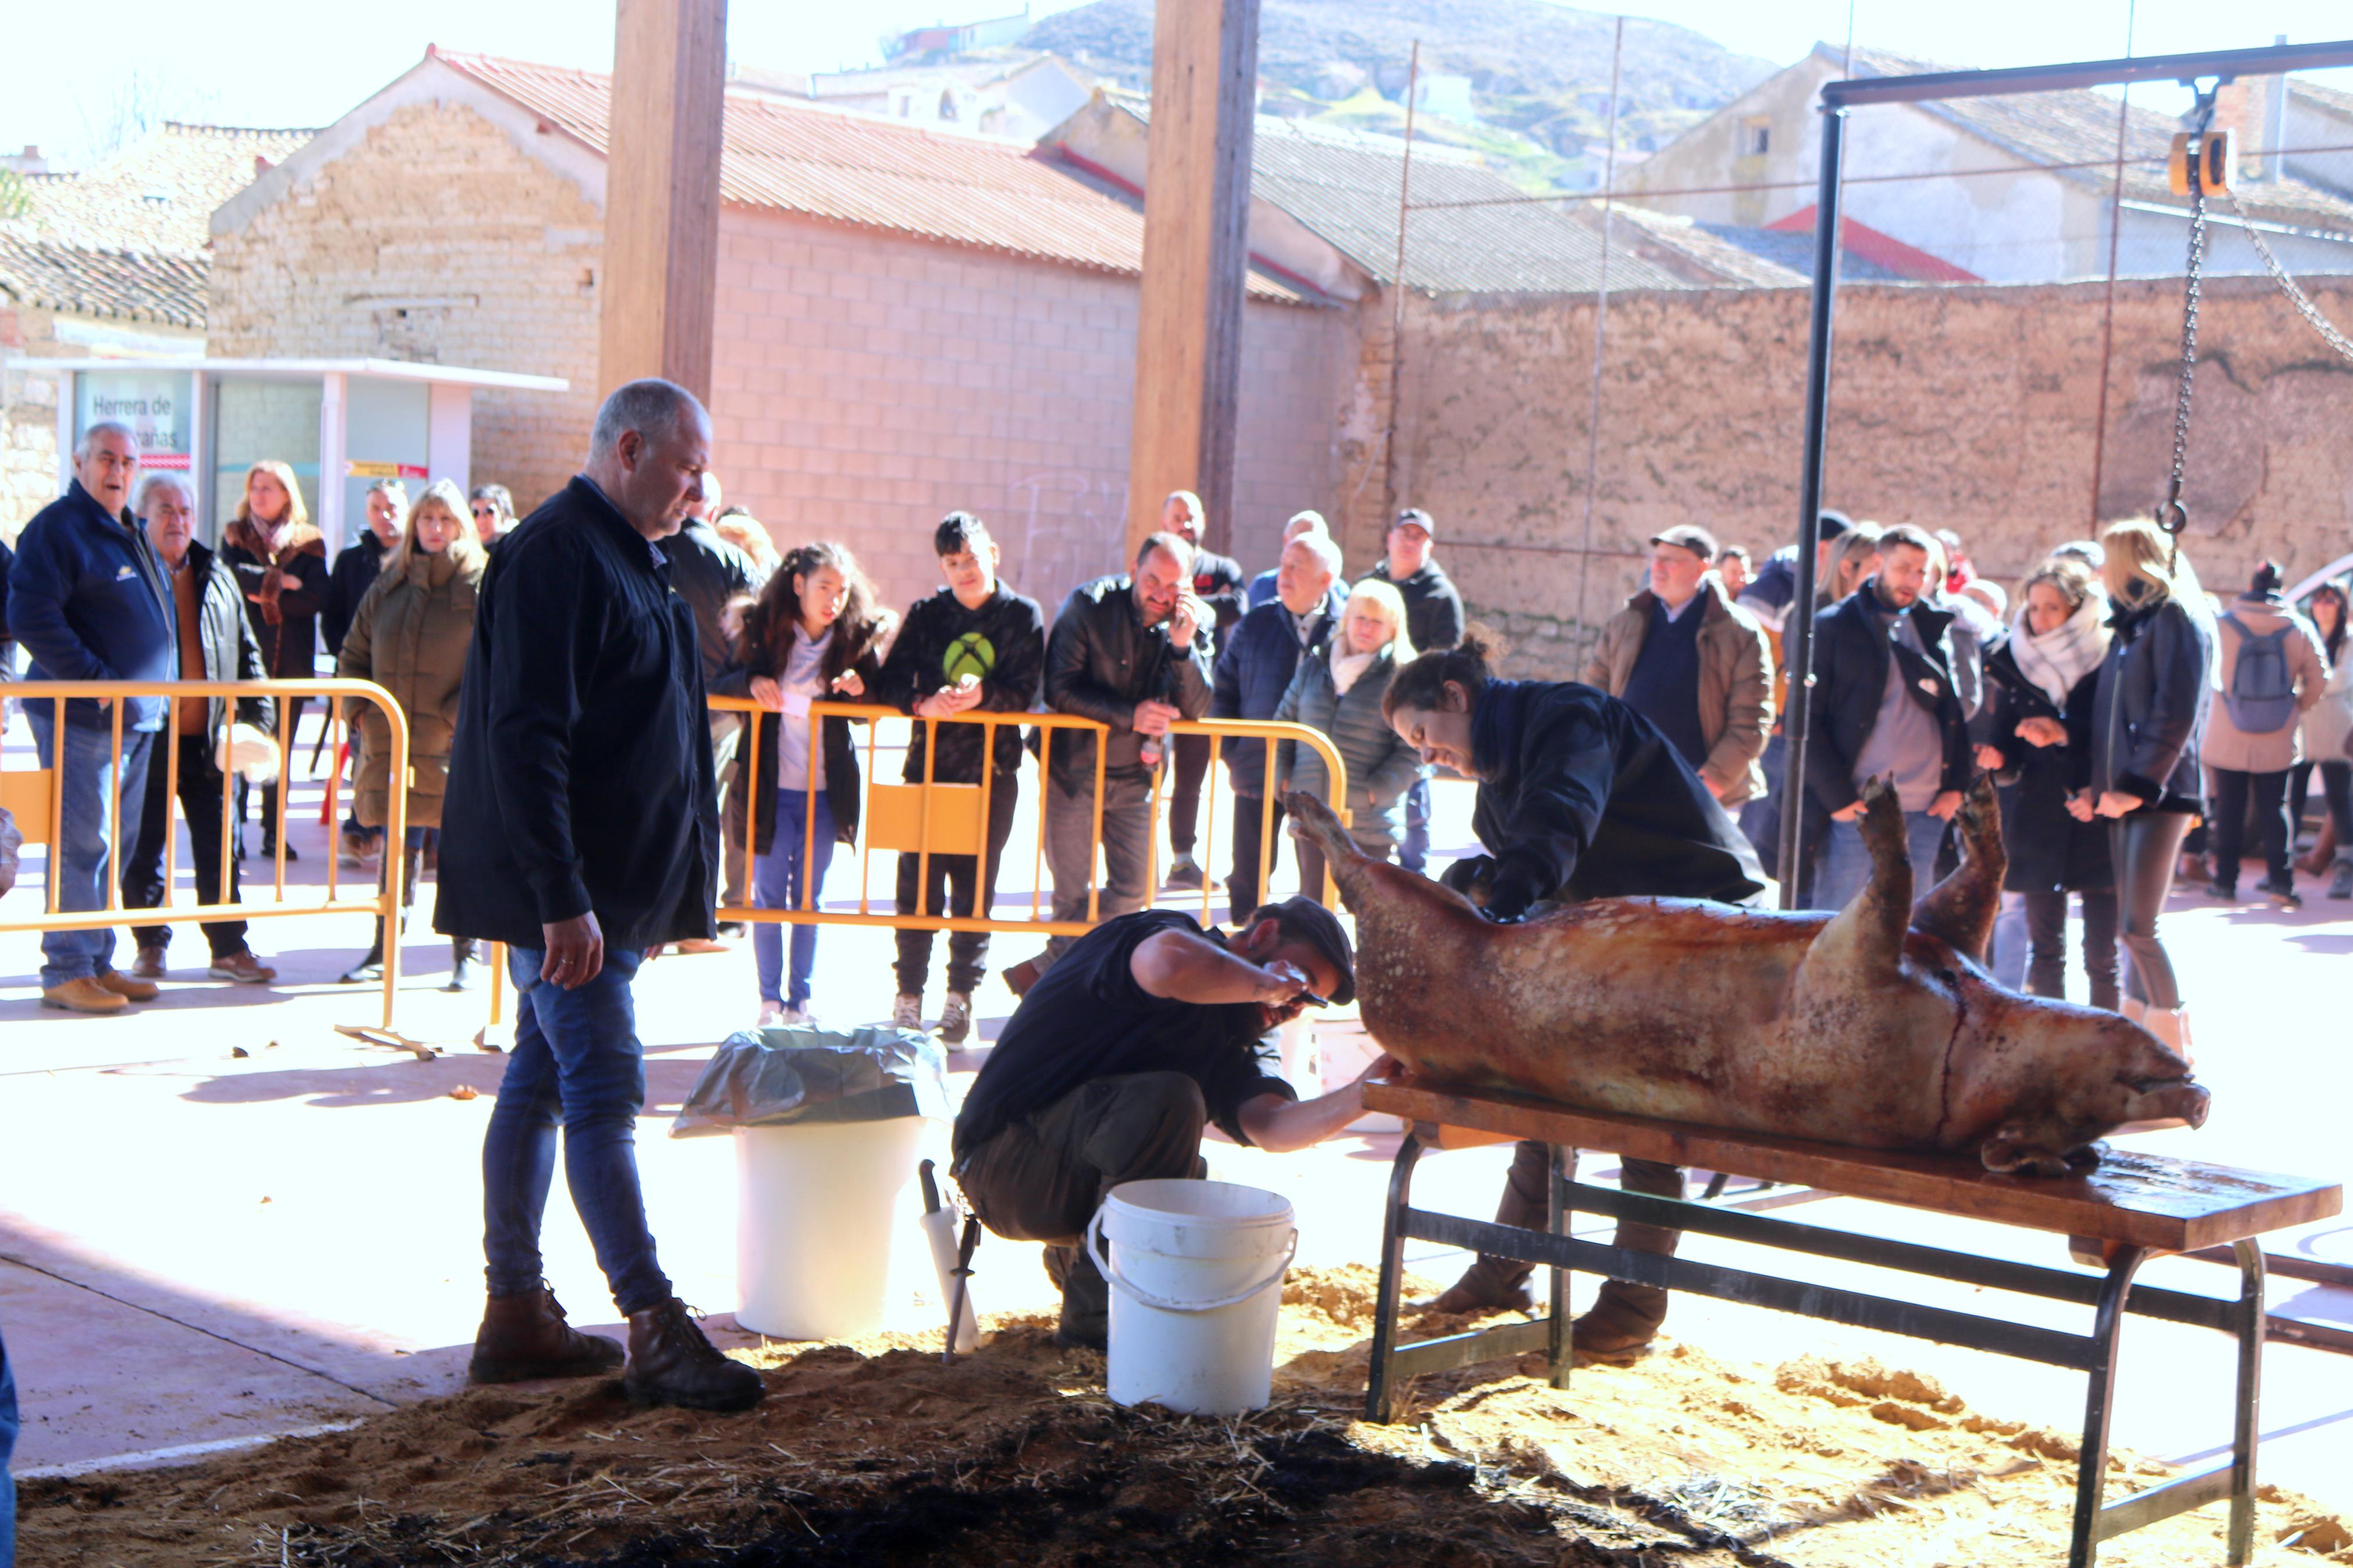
1537 74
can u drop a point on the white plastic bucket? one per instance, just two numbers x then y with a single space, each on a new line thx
818 1205
1195 1273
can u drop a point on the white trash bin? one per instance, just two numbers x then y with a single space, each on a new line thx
818 1207
1196 1271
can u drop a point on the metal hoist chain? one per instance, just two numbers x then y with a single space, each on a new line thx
2171 515
2297 296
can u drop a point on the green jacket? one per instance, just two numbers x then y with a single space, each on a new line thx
410 635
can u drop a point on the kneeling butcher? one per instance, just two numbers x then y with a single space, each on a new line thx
1148 1030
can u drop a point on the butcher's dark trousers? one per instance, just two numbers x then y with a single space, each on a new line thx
1622 1308
1042 1178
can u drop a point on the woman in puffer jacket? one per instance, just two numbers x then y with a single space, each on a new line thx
1339 693
2272 673
410 635
2048 667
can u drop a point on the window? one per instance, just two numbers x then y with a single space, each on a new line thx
1756 138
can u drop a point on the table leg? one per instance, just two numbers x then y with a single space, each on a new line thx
2091 1458
2249 1386
1557 1218
1378 1393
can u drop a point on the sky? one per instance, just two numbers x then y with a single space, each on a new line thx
296 62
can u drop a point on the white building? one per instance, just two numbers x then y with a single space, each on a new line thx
1021 98
2014 189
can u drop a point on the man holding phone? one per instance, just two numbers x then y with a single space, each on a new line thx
1145 1031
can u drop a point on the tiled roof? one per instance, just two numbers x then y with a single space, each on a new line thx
2079 127
798 157
1792 254
2335 99
1344 184
128 285
157 195
1717 248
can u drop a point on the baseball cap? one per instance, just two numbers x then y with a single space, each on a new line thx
1419 518
1302 919
1830 524
1691 537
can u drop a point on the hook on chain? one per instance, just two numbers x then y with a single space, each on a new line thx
2172 516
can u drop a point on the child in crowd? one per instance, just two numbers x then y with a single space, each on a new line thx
809 638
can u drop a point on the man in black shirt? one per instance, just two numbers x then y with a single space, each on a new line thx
1148 1030
581 827
973 644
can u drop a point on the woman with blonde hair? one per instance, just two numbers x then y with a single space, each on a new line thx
281 563
411 635
2137 742
1339 693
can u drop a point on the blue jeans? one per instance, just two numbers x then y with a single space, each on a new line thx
1846 862
777 878
87 820
7 1446
575 1058
1413 851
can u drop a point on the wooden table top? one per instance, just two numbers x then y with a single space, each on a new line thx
2139 1199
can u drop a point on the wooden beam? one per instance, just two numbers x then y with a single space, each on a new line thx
662 193
1189 328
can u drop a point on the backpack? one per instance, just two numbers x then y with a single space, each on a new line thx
2262 698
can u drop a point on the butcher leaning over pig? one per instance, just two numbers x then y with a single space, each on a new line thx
1579 798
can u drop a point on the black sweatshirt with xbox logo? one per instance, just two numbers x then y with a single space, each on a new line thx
1002 643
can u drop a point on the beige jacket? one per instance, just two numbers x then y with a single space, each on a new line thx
2226 745
410 636
1736 693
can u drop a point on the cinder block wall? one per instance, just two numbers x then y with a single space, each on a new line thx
435 240
866 385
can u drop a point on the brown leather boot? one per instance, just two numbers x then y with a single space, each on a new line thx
524 1337
671 1363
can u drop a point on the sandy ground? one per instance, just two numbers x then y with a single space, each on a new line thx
874 1452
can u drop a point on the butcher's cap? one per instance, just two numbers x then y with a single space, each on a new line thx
1304 921
1688 536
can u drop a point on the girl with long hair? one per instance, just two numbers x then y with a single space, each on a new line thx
2137 745
809 638
2274 672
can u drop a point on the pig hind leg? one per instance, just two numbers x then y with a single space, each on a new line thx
1960 910
1864 943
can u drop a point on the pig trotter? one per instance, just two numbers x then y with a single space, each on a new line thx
2022 1147
1960 910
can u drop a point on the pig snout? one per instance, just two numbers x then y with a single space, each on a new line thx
2173 1103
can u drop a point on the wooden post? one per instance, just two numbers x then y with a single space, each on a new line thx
1189 328
662 193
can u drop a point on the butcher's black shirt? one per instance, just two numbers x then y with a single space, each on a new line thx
1087 1019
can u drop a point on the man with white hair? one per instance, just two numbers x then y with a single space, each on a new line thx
1262 587
1253 673
581 828
216 642
90 602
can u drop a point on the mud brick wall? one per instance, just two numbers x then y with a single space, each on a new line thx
1968 407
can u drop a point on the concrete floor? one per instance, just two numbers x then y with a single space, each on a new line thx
201 1247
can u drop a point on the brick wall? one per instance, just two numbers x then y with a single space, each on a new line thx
1965 407
434 240
865 385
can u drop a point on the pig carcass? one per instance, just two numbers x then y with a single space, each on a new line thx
1874 1027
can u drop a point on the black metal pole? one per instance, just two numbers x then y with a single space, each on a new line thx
1798 624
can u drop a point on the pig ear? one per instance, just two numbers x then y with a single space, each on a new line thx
2021 1149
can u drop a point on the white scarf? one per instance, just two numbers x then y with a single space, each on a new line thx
1347 668
2057 661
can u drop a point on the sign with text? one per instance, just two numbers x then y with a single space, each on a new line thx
360 470
156 405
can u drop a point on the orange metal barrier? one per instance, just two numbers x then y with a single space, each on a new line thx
36 796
